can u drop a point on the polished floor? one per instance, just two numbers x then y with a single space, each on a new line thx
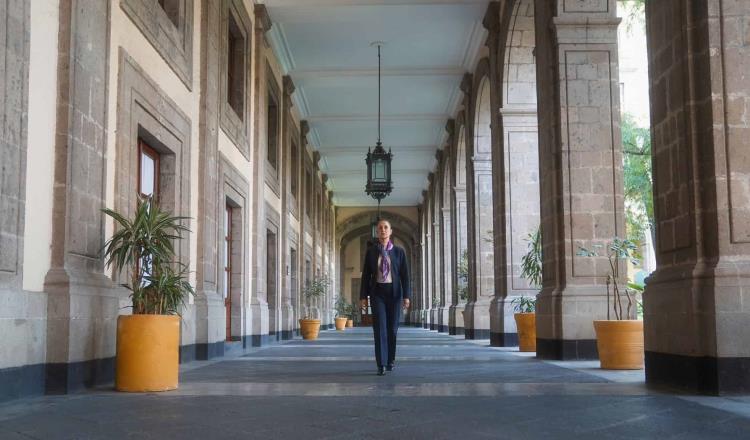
443 387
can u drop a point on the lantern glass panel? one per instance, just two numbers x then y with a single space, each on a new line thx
379 170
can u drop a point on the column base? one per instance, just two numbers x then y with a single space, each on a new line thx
477 320
566 349
455 330
503 339
707 375
473 333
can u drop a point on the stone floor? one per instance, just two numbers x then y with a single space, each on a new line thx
443 387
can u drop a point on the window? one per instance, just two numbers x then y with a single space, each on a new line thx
295 169
228 268
235 68
172 9
273 129
148 170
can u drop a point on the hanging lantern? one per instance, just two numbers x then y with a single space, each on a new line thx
379 183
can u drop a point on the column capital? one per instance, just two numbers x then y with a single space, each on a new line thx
466 83
262 19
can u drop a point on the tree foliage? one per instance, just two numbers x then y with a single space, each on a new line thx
638 178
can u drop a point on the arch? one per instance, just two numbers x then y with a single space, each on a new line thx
404 230
447 240
481 260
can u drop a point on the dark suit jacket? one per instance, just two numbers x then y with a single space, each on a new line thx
399 272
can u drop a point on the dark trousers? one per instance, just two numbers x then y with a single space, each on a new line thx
386 314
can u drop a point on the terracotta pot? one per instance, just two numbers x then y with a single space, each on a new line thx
309 328
350 323
147 353
341 323
526 325
620 344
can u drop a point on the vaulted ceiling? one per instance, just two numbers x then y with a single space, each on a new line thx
324 45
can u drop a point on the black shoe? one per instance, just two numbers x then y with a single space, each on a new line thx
390 367
381 372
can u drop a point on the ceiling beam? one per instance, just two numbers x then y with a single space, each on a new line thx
392 117
331 151
303 74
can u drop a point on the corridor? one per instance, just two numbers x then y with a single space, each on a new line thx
443 387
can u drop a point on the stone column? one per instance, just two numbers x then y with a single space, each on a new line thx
516 163
210 315
258 315
697 302
447 275
285 306
437 251
82 306
427 237
458 214
580 166
458 223
480 206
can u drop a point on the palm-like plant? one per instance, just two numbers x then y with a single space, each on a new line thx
531 262
144 246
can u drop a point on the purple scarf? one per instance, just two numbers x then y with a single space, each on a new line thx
385 267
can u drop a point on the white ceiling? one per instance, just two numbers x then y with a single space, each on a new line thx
324 45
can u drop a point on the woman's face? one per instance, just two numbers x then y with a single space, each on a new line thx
384 230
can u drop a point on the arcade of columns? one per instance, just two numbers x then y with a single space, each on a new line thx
537 142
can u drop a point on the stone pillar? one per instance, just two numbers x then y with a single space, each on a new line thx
459 219
580 166
82 306
427 237
516 164
447 278
286 310
697 302
437 251
259 319
459 225
210 315
480 206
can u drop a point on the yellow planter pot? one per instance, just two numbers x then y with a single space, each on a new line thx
147 353
350 323
309 328
341 323
620 344
526 325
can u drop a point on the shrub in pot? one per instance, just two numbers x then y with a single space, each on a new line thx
619 338
525 316
310 324
142 248
342 312
525 307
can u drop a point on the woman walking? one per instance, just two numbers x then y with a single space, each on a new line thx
385 279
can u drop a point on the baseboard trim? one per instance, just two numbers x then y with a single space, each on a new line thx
566 349
706 375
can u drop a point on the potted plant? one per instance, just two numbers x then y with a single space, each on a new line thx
619 340
148 340
525 307
525 316
309 324
342 312
352 310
